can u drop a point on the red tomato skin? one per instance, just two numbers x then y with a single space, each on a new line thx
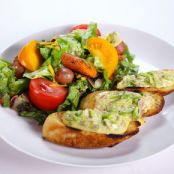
45 94
121 48
85 26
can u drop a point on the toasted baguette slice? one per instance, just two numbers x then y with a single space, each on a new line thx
163 90
56 131
158 105
91 102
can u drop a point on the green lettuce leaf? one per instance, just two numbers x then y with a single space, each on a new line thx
25 109
51 52
43 72
126 67
75 92
114 38
70 45
83 35
9 84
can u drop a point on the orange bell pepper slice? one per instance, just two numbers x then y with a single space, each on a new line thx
105 51
30 57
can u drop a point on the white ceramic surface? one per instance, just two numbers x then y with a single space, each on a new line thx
154 136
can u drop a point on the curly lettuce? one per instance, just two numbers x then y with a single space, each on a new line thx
9 84
73 43
83 35
51 52
126 66
76 90
42 72
25 109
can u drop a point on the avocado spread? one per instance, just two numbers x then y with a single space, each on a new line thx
156 79
113 112
94 120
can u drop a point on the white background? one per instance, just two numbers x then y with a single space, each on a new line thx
19 18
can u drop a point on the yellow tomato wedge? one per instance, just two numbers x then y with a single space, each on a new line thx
104 50
30 57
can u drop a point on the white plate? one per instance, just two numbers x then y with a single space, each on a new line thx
154 136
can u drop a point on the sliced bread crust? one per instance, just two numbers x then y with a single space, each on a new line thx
56 131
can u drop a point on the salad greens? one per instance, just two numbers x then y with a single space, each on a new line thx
51 52
83 35
42 72
25 109
126 66
70 45
74 43
9 84
114 38
106 84
97 63
76 90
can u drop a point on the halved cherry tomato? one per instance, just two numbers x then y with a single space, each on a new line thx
84 27
45 94
121 48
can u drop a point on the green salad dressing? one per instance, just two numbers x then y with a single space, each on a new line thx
94 120
112 113
122 102
156 79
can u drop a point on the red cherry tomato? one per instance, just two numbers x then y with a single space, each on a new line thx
45 94
85 26
121 48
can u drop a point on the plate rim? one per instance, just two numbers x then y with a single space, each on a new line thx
68 163
73 24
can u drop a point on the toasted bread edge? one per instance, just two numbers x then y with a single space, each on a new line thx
55 131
